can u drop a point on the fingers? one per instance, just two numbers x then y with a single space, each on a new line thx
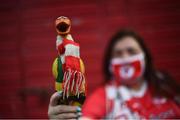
54 99
56 111
64 109
64 112
65 116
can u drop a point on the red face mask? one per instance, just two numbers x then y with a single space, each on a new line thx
128 70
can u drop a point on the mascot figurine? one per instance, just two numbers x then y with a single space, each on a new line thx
68 68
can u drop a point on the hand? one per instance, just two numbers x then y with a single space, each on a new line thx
56 111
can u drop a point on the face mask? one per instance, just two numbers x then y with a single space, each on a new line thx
128 70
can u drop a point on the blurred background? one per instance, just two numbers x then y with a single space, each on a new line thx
27 44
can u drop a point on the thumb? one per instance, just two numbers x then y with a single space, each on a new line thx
55 98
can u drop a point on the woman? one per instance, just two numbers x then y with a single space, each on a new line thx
133 87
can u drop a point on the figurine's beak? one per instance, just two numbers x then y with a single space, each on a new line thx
62 27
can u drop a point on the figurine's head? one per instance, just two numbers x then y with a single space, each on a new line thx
63 25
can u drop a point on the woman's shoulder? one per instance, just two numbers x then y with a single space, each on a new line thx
95 104
101 90
97 94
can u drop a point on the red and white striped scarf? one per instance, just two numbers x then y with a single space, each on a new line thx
73 79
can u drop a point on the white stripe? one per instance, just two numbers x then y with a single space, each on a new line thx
62 58
111 92
58 41
72 50
69 37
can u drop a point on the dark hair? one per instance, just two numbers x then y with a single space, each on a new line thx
161 82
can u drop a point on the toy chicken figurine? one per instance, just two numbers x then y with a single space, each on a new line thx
68 68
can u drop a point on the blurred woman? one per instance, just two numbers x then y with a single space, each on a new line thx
133 88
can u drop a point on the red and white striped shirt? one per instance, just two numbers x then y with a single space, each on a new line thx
123 103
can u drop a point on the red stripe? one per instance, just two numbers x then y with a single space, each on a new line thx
72 62
61 48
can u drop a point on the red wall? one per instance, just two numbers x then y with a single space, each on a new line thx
27 43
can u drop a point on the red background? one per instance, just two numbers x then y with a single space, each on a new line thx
27 44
